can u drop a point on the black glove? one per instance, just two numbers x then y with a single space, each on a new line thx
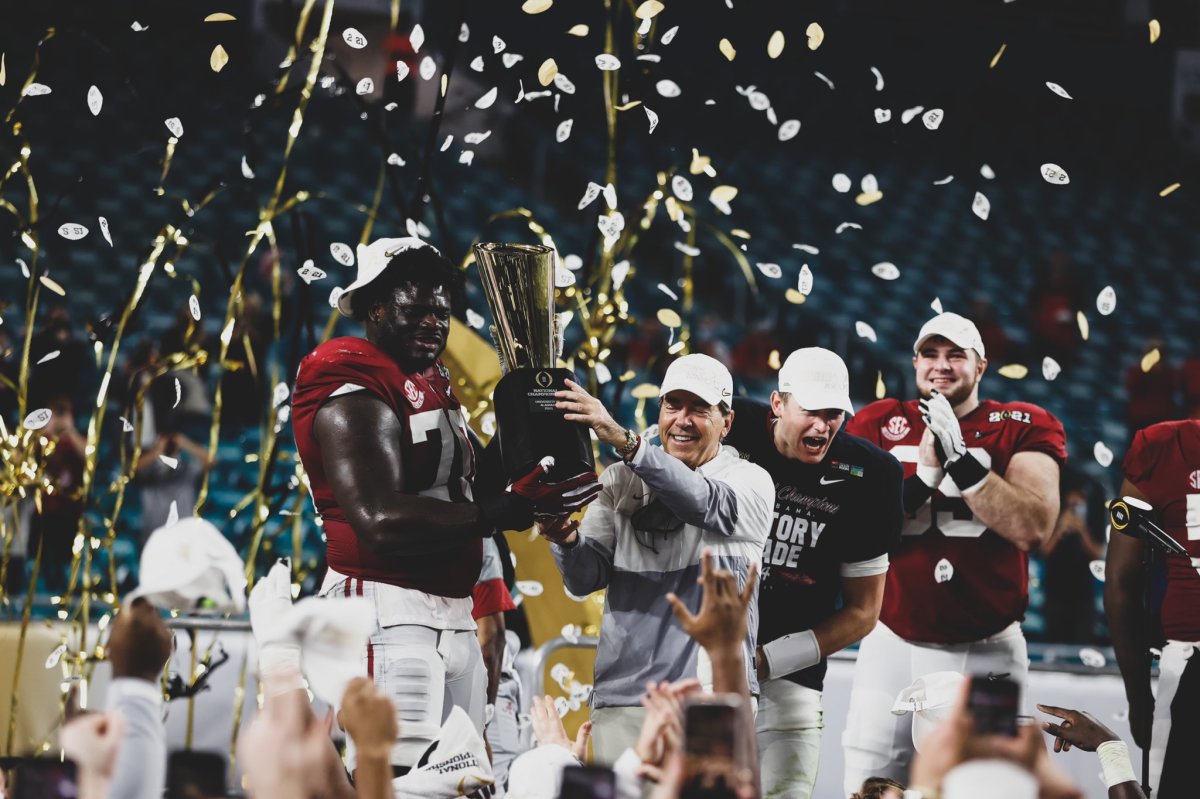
503 511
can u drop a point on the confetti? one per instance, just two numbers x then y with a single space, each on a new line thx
38 419
36 90
49 356
561 673
95 100
610 196
498 45
770 270
795 297
466 157
1082 321
563 83
1059 90
878 79
885 270
446 144
427 68
178 393
547 72
933 118
578 30
138 27
511 59
669 318
841 183
72 231
1106 301
464 33
908 114
980 206
943 572
536 6
848 225
1092 657
395 160
825 80
1055 174
417 37
1014 371
808 248
1096 567
669 36
682 188
530 587
175 126
476 64
649 9
474 320
944 180
668 88
611 226
727 50
653 117
365 86
607 62
308 272
805 284
488 99
1151 359
869 198
758 101
880 386
883 115
354 38
3 72
562 706
776 43
789 129
334 295
220 16
169 462
815 34
722 196
1050 368
218 59
1155 30
55 656
564 130
644 391
247 172
194 306
1102 454
865 331
996 57
987 172
869 183
687 249
589 195
1169 189
936 305
620 271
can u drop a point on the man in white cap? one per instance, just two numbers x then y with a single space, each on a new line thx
981 491
837 514
384 444
658 510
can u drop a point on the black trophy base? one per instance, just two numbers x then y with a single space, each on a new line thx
530 427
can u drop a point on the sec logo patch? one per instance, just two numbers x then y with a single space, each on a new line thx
896 428
414 395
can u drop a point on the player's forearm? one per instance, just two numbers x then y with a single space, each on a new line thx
415 525
845 627
1017 514
1127 625
490 632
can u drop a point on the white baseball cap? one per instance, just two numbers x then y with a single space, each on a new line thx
190 560
930 699
817 378
372 260
959 330
703 376
332 634
455 765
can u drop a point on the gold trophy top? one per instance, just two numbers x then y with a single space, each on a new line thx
518 282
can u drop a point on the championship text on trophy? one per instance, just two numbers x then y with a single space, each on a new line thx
518 281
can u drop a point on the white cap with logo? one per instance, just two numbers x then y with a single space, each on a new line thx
372 260
703 376
817 378
930 698
959 330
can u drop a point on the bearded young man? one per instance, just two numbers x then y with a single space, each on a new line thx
981 491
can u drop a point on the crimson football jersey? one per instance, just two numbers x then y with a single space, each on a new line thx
437 461
1164 463
952 580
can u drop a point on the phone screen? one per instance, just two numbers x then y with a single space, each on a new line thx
588 782
993 705
710 749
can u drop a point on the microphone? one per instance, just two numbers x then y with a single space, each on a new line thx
1134 517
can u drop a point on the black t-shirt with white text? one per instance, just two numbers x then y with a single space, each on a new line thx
846 509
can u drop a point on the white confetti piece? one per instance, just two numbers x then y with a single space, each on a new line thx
55 656
668 88
943 572
620 271
49 356
498 45
933 118
573 262
1050 368
24 268
477 138
562 706
38 419
885 270
665 289
466 157
487 99
869 184
611 226
104 230
589 195
1102 454
402 70
848 226
944 180
878 79
247 172
173 513
365 86
610 196
1055 174
169 462
770 270
175 126
563 277
808 248
564 130
607 62
980 206
1059 90
883 115
758 101
805 283
530 587
560 673
308 272
510 60
653 117
194 307
572 632
446 144
987 172
1096 567
334 295
417 37
669 36
682 188
909 113
687 249
342 253
789 129
428 68
126 425
564 84
841 183
279 394
36 90
825 80
72 231
865 331
474 320
138 27
95 100
464 33
1106 301
1093 658
352 37
395 160
476 63
936 305
178 393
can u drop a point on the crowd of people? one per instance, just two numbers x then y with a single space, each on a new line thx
750 543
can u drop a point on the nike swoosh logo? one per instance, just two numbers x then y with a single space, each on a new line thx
825 482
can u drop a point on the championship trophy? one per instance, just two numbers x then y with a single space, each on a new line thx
518 282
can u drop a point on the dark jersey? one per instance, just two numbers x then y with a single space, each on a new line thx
438 461
846 509
1164 463
952 579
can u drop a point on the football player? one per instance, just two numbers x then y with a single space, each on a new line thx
981 491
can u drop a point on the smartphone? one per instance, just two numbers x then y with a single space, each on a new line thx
41 778
713 756
993 705
588 782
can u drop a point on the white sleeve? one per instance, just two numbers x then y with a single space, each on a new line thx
866 568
